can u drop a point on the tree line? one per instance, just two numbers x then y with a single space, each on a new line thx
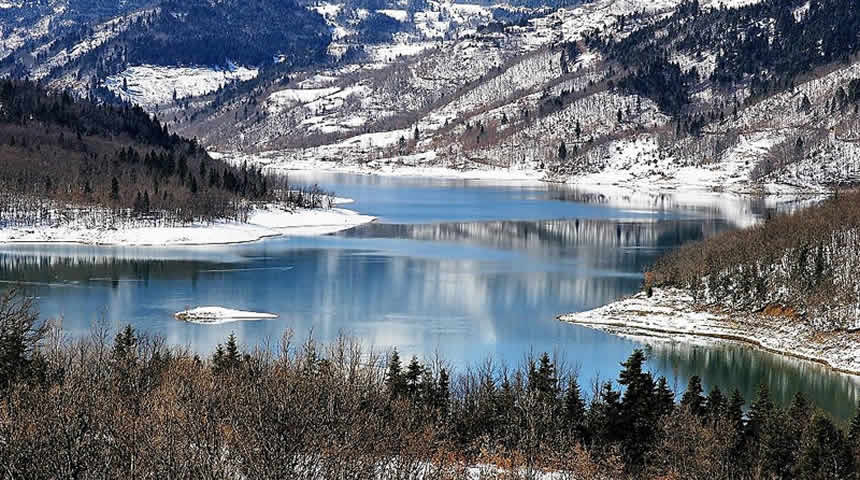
57 151
132 407
805 262
764 46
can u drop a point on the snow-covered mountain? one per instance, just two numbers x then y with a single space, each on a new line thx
741 95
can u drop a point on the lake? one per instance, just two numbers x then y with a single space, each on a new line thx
467 269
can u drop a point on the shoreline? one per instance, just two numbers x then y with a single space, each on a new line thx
673 313
610 179
263 223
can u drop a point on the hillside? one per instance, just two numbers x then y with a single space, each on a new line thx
73 170
742 96
660 94
788 285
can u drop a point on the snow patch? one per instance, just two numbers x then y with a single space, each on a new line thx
219 315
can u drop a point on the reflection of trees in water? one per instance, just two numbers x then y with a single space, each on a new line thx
730 365
43 267
603 243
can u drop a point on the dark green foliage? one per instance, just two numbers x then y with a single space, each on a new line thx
664 397
640 408
761 46
125 343
692 398
760 412
118 152
21 332
228 357
824 452
715 404
394 378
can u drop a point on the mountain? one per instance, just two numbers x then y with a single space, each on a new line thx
747 96
741 95
78 45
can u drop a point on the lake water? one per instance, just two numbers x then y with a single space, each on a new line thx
466 269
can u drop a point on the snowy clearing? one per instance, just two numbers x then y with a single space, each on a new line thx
219 315
150 85
264 222
672 312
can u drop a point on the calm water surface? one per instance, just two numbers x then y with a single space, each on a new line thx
466 269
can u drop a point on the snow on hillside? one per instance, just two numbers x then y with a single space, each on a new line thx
150 85
672 312
101 33
95 227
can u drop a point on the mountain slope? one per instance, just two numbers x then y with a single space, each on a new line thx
659 93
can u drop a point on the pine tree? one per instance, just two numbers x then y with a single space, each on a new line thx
394 377
639 408
692 398
760 411
824 452
413 376
854 429
125 342
443 392
562 152
574 405
544 380
664 397
114 189
716 403
800 411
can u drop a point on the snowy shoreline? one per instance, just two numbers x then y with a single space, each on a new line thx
671 313
426 165
264 222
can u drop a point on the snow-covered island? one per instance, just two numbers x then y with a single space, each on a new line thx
264 221
218 315
671 313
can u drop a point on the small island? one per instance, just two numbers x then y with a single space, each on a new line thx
216 315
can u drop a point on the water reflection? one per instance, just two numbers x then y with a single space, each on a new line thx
730 365
444 270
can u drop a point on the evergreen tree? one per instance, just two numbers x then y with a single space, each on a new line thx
639 407
394 379
443 392
854 429
544 380
562 152
125 342
574 406
664 397
413 377
800 411
716 403
760 411
824 452
692 398
114 189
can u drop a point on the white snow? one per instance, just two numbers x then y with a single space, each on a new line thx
673 312
150 85
399 15
264 222
219 315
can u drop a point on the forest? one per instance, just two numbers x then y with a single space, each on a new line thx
123 405
804 263
765 46
58 153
